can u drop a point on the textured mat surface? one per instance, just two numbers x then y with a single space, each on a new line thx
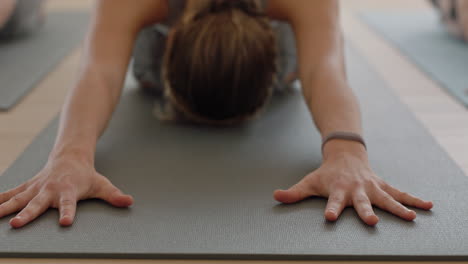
24 62
207 192
424 40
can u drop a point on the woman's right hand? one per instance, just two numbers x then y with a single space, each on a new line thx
60 184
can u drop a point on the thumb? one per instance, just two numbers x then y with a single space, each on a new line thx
295 193
113 195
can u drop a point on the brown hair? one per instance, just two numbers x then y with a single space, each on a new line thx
220 63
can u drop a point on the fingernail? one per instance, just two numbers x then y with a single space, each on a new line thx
17 218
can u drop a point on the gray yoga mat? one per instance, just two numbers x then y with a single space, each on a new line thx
424 40
25 61
206 192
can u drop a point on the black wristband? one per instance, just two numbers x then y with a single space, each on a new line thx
345 136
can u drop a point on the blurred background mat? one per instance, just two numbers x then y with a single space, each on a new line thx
26 60
424 40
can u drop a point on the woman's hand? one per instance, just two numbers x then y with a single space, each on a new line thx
60 184
346 178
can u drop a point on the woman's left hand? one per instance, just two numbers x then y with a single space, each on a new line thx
346 179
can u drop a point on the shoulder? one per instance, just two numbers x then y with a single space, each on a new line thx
138 15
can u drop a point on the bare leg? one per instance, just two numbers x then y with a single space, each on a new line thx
6 10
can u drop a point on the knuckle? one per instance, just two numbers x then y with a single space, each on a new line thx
299 188
340 186
395 207
33 188
337 195
51 186
99 184
308 181
333 200
25 213
26 184
7 193
368 181
405 195
381 198
18 199
353 184
383 184
55 186
66 185
307 188
370 184
360 199
40 200
66 202
359 183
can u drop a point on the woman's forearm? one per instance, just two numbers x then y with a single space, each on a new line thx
86 112
320 48
108 48
334 107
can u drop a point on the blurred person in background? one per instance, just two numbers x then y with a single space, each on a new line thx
454 14
20 17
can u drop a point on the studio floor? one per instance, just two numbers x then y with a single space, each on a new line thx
445 118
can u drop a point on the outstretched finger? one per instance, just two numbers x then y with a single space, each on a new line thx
386 202
16 203
67 208
7 195
407 199
336 204
363 207
298 192
33 209
113 195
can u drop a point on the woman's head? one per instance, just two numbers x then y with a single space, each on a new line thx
220 62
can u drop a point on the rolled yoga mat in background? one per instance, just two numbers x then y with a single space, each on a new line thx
204 192
25 61
423 39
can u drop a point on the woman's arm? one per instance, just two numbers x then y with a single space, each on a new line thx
345 175
321 63
108 48
69 174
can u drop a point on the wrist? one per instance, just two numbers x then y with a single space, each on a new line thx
340 147
72 153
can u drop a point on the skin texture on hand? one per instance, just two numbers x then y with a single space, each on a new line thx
346 179
60 184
